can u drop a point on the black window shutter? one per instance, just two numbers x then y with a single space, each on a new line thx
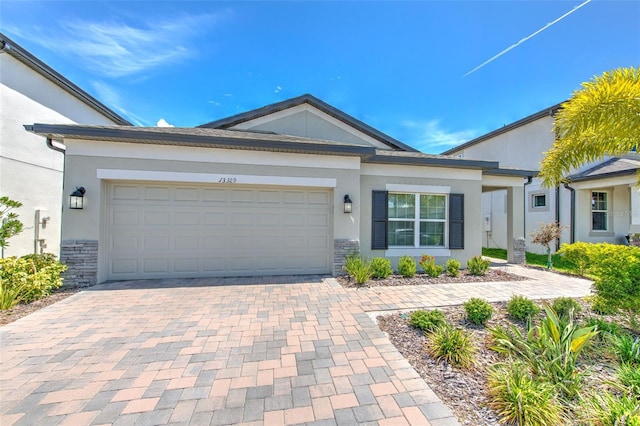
456 221
379 215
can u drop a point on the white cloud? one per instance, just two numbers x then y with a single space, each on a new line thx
430 136
117 49
163 123
278 89
110 97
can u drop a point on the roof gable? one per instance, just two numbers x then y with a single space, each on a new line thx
10 47
616 166
308 116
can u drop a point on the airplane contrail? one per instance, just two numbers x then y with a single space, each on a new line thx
526 38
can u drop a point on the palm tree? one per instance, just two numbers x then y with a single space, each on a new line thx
602 118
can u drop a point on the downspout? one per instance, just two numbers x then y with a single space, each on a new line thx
50 145
557 214
524 209
572 228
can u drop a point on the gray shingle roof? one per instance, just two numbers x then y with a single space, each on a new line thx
616 166
234 120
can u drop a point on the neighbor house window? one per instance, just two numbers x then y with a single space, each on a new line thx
417 220
539 200
599 210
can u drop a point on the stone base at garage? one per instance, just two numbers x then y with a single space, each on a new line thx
341 249
81 258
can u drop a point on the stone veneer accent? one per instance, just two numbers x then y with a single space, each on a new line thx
341 249
81 258
520 251
634 240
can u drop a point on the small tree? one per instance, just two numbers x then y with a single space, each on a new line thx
545 235
10 225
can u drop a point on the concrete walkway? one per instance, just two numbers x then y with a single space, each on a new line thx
281 350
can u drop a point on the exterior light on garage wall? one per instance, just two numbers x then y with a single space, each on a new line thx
348 204
76 199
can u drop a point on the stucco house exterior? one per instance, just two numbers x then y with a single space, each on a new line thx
600 203
31 172
263 193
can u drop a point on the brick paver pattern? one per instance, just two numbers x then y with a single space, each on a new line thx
259 351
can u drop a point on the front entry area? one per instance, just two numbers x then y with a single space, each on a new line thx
176 230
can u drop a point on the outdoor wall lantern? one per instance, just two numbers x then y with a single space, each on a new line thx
348 204
76 199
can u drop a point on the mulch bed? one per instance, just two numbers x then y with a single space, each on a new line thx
493 275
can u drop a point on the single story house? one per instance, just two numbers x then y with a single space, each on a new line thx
290 188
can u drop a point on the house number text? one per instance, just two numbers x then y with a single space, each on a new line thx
228 180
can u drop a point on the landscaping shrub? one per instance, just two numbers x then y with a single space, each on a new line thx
604 327
599 306
522 308
609 409
629 379
478 266
358 268
579 254
407 266
427 320
479 311
428 263
627 348
28 278
380 268
550 350
520 399
452 267
565 306
452 345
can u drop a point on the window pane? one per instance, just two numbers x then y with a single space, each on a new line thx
599 201
401 233
402 206
432 233
599 221
539 201
432 207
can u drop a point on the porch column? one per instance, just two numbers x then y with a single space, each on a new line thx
635 209
515 220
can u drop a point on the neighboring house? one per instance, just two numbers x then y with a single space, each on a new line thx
599 204
30 172
263 193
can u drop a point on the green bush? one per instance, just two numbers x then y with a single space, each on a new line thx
522 308
380 268
452 267
579 255
427 320
452 345
520 399
478 265
407 266
627 348
565 306
479 311
29 278
428 263
550 350
609 409
604 327
358 268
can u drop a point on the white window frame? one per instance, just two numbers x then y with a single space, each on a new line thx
417 221
605 211
534 197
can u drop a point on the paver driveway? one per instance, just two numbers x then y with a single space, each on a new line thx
215 351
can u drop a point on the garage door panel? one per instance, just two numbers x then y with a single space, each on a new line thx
178 230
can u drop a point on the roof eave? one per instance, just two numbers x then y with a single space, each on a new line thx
434 162
511 172
13 49
618 173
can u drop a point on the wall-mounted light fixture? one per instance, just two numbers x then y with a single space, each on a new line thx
348 204
76 199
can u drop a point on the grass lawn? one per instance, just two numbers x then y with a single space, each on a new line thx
559 264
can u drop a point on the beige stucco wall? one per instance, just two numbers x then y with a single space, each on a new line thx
81 170
467 182
29 171
619 217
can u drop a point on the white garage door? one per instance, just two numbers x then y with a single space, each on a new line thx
178 230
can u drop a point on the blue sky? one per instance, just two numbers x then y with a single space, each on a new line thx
398 66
